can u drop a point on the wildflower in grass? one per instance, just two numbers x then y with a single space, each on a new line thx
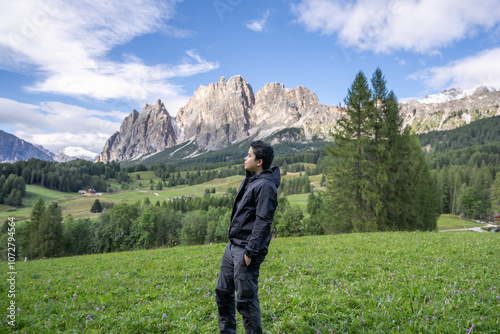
163 316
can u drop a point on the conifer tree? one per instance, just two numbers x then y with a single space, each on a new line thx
349 195
96 207
29 241
495 195
50 232
378 178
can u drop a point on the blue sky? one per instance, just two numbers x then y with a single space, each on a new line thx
70 72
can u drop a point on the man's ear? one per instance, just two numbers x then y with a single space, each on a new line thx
260 162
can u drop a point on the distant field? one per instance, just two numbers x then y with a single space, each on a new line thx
451 222
418 282
79 206
300 200
32 195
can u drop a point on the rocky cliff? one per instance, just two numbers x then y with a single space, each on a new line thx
227 112
150 131
277 107
424 117
219 115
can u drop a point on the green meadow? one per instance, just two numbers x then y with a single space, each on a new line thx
416 282
452 222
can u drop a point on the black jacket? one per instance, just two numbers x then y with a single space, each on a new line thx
253 212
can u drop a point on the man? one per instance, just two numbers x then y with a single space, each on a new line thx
249 236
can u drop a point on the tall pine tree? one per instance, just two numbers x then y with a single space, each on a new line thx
377 175
351 194
50 232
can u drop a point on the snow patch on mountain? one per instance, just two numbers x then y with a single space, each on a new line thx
73 153
452 94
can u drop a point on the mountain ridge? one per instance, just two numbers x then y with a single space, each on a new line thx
17 149
227 112
222 114
74 152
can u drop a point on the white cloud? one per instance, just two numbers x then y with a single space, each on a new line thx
59 125
67 46
388 25
259 25
466 73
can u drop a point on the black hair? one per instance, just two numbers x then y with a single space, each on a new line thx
263 151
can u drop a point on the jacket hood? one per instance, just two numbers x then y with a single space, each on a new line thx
273 174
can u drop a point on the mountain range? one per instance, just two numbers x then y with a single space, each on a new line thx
217 116
228 112
16 149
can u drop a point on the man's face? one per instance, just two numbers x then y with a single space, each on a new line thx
251 164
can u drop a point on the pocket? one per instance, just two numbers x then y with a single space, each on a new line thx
247 287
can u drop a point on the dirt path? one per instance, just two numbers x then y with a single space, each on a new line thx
475 229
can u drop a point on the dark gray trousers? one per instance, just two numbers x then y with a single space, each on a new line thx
236 275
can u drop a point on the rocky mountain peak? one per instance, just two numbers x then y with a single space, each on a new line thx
74 152
277 106
150 131
217 114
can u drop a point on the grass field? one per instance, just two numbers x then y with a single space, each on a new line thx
79 206
32 195
300 200
451 222
373 283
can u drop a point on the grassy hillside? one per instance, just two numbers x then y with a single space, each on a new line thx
376 282
32 195
452 222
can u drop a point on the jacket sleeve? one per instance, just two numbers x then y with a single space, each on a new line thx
265 205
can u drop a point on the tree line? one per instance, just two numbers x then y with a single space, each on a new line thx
138 225
478 133
67 177
466 190
12 189
296 185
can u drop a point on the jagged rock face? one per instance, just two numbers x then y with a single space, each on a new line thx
446 116
143 133
277 107
217 115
